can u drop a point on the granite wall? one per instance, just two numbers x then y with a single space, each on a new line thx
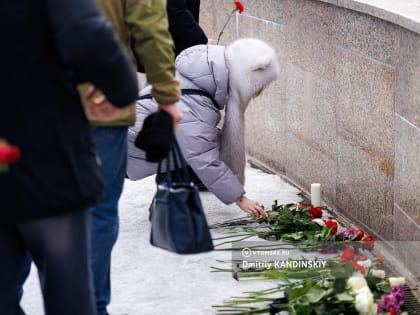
345 111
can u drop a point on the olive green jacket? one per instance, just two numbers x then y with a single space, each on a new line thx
146 21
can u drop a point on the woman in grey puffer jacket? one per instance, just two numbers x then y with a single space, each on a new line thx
230 76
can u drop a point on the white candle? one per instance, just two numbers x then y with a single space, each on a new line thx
316 194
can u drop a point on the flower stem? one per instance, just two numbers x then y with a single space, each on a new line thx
226 23
232 236
235 241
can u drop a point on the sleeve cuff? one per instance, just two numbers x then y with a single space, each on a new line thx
166 92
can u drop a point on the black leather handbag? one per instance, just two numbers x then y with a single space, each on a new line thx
178 221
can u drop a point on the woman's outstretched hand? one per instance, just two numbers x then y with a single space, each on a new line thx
251 207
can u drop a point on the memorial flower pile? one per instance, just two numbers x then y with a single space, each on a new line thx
299 224
342 288
351 283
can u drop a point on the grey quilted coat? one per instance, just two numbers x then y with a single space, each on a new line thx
199 67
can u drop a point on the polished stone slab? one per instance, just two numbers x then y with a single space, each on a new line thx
407 101
368 36
365 106
407 241
404 13
407 168
364 192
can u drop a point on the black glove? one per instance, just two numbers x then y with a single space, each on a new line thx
156 136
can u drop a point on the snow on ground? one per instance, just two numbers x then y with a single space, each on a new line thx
150 281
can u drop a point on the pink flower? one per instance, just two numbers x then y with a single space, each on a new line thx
393 301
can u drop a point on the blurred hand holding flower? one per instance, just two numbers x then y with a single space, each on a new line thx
8 154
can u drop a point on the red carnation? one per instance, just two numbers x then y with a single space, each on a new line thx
316 212
239 6
368 242
8 153
358 267
358 235
348 255
331 224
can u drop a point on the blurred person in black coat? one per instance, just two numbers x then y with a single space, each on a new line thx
48 47
183 18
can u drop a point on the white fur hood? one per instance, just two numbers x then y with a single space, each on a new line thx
203 67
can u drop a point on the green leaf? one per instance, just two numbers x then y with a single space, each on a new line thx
275 274
304 274
293 236
296 292
383 286
304 309
345 297
314 294
340 284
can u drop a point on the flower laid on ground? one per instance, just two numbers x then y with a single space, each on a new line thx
8 154
353 285
393 301
292 218
348 257
238 7
297 224
316 212
332 224
338 289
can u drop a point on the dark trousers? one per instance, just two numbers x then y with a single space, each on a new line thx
59 248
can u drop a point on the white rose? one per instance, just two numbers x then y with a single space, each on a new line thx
363 290
356 282
396 281
365 263
373 309
378 273
364 300
320 222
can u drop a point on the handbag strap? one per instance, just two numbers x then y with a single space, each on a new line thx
186 92
181 168
179 163
168 177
